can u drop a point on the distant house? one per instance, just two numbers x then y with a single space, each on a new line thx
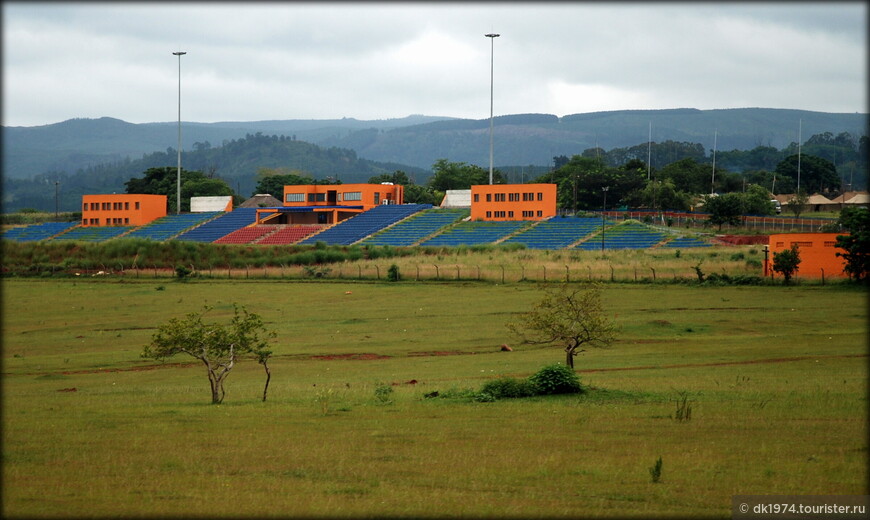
261 200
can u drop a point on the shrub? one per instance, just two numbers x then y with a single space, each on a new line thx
508 388
393 273
556 379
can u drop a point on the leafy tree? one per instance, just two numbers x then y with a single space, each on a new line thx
217 346
660 195
756 201
570 316
420 195
798 201
580 182
397 177
448 175
273 180
163 181
856 220
816 174
688 175
786 262
724 209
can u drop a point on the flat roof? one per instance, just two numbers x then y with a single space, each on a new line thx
299 209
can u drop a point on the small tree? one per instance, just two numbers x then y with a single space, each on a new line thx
797 202
571 316
786 262
217 346
856 244
724 209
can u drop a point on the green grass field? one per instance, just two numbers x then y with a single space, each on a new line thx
776 378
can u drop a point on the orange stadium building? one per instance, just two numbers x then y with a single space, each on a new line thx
122 210
329 203
496 202
818 254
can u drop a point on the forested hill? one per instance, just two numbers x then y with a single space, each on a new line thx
525 139
236 161
534 139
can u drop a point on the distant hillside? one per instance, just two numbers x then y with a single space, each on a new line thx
236 161
79 143
534 139
526 139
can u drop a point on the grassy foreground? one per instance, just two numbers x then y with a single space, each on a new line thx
776 378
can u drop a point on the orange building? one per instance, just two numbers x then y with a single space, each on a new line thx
817 254
329 203
513 201
126 209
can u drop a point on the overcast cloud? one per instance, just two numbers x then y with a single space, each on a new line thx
249 62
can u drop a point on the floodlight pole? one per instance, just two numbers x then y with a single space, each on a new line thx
492 37
178 180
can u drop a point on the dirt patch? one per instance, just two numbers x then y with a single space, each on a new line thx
438 353
723 363
741 240
351 357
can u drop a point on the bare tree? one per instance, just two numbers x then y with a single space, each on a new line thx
570 316
217 346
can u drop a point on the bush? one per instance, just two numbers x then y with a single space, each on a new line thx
393 273
508 388
556 379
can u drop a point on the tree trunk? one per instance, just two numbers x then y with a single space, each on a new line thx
268 377
569 358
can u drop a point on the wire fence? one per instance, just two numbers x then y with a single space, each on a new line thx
765 224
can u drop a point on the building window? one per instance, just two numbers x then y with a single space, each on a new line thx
510 214
126 221
514 197
295 197
489 197
137 205
540 213
84 222
476 197
828 243
377 198
85 206
127 206
489 214
499 197
106 206
353 195
108 222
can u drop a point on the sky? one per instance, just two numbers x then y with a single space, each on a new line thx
366 60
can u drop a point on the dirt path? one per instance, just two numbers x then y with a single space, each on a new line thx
368 357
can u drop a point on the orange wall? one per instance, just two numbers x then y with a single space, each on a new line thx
365 195
816 252
513 201
122 209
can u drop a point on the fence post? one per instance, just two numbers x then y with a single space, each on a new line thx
378 270
417 278
567 274
247 271
437 272
653 272
611 272
155 271
457 271
823 275
523 273
545 273
359 271
502 274
478 272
